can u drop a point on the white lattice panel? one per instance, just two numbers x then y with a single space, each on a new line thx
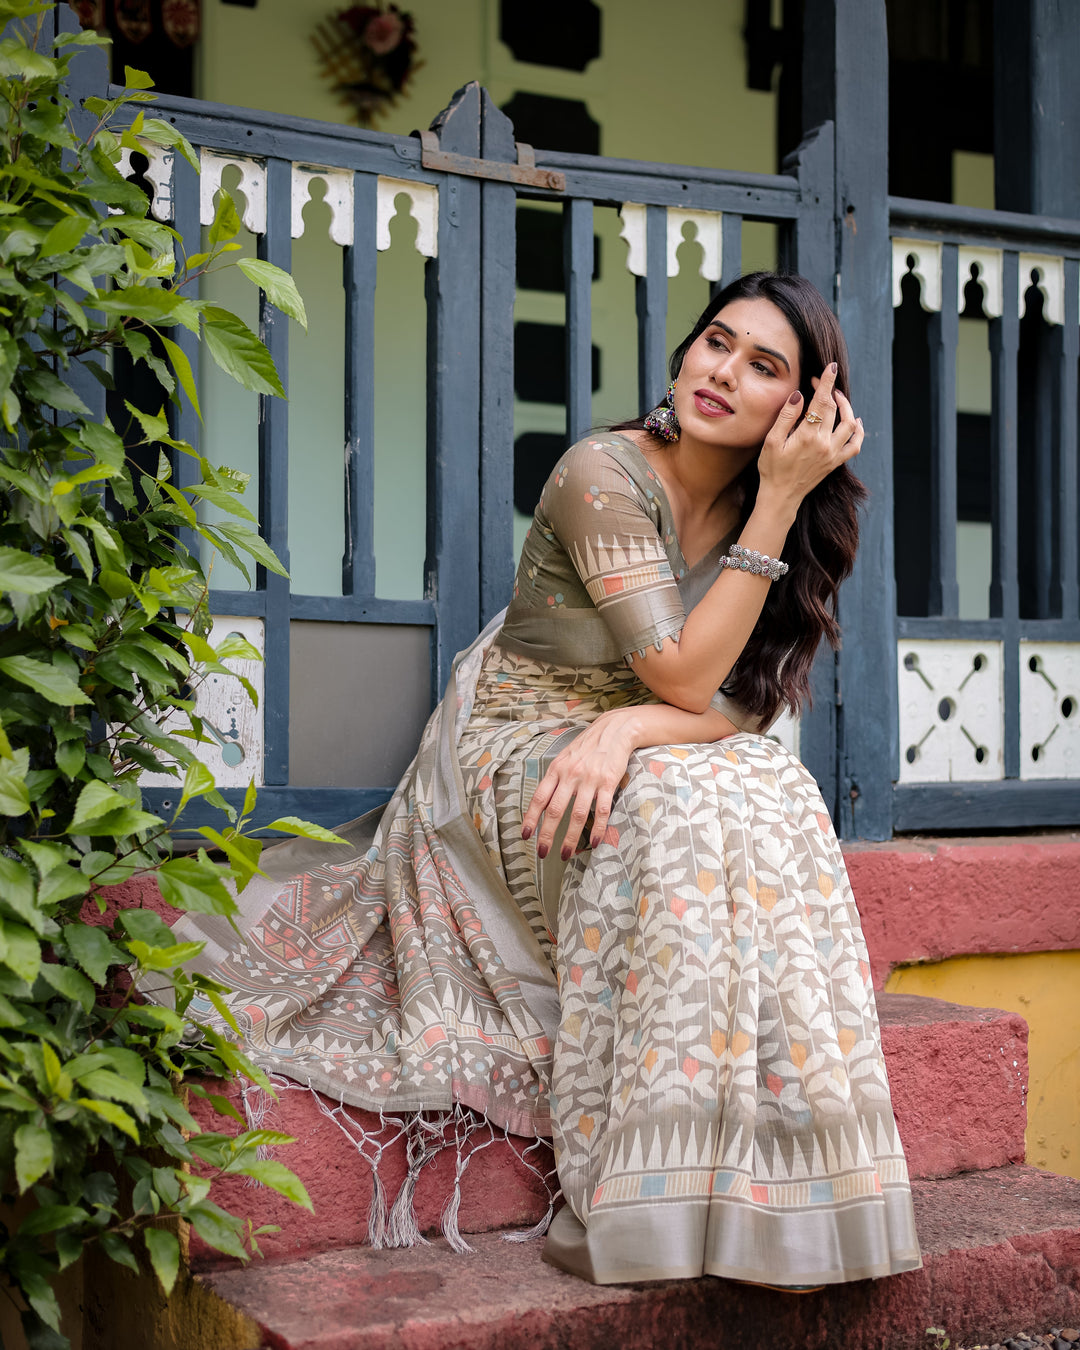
234 725
951 723
1050 710
786 730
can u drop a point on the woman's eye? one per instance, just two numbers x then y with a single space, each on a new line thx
718 344
764 369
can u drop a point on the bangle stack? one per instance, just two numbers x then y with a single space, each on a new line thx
749 560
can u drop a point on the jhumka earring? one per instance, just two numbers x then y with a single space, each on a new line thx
662 420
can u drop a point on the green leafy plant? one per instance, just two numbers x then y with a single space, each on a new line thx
103 641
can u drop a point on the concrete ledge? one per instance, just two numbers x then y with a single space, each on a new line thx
1001 1251
925 900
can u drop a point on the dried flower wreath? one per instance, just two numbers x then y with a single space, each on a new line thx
370 54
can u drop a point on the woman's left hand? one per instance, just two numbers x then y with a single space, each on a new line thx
589 770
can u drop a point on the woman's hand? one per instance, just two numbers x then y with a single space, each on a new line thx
588 770
591 768
797 455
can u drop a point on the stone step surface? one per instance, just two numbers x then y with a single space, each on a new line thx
958 1078
1001 1250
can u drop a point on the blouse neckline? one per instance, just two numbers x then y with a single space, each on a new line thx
683 571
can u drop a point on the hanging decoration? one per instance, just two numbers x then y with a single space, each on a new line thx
135 20
180 19
91 13
369 53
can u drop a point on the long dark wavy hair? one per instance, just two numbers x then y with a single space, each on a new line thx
774 668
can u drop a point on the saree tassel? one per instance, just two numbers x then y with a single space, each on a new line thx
423 1142
362 1140
538 1230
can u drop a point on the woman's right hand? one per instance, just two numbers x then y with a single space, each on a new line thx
798 454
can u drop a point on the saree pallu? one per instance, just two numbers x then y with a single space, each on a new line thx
686 1009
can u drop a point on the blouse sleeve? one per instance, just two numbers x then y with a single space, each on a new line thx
602 519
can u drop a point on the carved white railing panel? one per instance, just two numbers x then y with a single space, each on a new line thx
1049 278
252 186
339 198
423 207
925 265
233 723
159 174
708 232
989 277
951 722
633 216
1050 710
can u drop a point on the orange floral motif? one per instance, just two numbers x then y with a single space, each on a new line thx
798 1054
718 1042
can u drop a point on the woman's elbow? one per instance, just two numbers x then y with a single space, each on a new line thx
679 694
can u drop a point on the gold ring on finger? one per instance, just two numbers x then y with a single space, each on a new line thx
814 418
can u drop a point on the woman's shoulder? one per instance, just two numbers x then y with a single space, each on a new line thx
603 455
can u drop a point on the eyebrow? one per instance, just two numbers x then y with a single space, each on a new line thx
769 351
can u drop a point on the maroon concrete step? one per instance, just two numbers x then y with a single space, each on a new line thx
1001 1251
958 1079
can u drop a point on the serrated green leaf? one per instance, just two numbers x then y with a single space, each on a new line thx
14 794
92 949
27 574
45 387
279 1178
20 950
109 1111
164 958
182 366
239 353
65 235
195 884
17 890
70 983
250 542
226 222
48 1218
279 287
163 1248
95 800
105 1083
117 1249
33 1155
217 1229
306 829
198 780
43 679
63 884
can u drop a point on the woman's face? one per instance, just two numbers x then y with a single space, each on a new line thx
737 375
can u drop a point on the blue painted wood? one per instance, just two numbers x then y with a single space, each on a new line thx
977 225
185 422
945 807
498 251
1004 586
453 299
845 80
1041 630
651 301
323 806
360 609
944 333
578 267
814 252
811 251
730 248
276 246
360 266
1065 594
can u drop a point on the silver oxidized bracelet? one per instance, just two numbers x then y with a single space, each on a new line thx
750 560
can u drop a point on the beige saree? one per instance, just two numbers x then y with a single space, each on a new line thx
686 1009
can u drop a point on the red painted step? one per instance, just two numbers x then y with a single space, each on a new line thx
1001 1251
958 1078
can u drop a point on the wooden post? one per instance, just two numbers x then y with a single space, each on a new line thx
845 80
452 285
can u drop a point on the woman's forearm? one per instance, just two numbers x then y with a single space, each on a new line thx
650 724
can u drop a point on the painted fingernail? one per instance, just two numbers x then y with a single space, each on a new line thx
526 832
832 368
796 397
566 852
542 851
594 842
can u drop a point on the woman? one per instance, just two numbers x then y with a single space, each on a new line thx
601 905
